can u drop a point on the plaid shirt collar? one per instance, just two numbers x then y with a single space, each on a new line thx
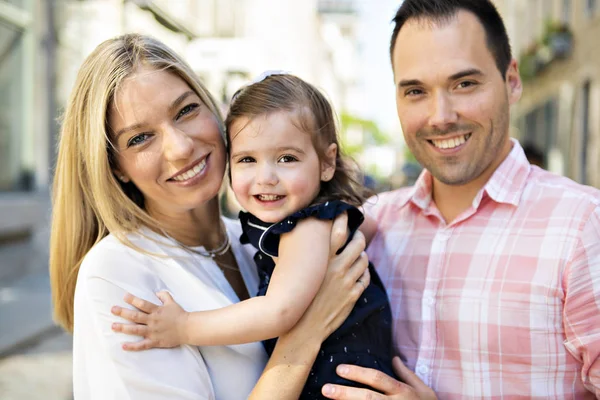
505 186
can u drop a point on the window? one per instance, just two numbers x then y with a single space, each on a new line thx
539 128
566 11
590 7
585 130
12 177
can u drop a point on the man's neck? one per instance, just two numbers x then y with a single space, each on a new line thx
453 200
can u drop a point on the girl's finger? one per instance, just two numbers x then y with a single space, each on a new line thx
145 344
140 304
165 297
131 329
131 315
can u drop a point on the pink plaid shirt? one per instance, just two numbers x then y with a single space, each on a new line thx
504 302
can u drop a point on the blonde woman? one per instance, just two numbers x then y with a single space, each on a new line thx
135 209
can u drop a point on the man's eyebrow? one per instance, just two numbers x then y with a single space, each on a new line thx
453 77
410 82
465 73
173 105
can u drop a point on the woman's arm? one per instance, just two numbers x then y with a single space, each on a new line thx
304 253
295 352
102 370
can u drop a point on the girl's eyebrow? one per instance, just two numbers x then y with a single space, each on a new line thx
281 149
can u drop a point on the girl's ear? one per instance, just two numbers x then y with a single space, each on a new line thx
328 163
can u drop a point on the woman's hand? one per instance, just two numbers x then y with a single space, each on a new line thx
160 326
388 387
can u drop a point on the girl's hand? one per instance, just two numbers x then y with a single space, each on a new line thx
160 326
388 387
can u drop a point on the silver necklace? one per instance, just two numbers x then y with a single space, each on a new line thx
219 251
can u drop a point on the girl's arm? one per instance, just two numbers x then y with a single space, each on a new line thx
295 352
304 253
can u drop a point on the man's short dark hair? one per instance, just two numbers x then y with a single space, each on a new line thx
440 11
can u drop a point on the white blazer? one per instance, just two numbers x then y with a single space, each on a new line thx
103 371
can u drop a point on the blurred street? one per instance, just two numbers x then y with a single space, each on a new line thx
41 371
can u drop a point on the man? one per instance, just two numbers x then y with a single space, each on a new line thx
492 266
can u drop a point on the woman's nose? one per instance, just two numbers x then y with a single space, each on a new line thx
177 144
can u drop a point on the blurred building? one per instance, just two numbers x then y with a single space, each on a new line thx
555 42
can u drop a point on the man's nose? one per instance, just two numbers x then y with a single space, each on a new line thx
442 111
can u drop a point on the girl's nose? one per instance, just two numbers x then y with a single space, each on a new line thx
266 175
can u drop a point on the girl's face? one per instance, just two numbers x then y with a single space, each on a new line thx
275 169
168 142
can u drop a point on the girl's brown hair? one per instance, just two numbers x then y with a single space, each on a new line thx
314 115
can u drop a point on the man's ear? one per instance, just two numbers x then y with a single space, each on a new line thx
513 82
328 163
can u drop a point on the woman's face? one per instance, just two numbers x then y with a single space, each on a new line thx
168 142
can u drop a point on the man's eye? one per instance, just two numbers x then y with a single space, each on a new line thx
466 84
287 158
138 139
187 109
413 92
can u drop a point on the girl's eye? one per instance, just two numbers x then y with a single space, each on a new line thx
287 159
187 109
246 160
138 139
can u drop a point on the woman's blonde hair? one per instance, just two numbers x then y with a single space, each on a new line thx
88 201
314 115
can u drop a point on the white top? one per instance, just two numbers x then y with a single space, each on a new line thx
103 371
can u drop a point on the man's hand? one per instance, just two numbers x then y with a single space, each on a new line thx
389 388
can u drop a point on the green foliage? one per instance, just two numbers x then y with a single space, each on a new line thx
372 135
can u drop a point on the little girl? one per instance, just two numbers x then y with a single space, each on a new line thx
287 172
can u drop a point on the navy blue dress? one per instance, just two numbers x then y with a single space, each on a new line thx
365 338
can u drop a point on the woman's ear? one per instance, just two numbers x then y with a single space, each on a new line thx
120 176
328 163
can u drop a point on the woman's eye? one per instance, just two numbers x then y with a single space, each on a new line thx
187 109
287 158
246 160
138 139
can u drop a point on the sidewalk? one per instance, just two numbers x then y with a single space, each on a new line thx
43 371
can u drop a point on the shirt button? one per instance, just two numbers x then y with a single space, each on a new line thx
429 301
422 370
443 235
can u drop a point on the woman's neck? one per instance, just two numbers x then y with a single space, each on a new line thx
198 227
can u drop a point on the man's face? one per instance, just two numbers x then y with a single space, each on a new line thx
452 102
